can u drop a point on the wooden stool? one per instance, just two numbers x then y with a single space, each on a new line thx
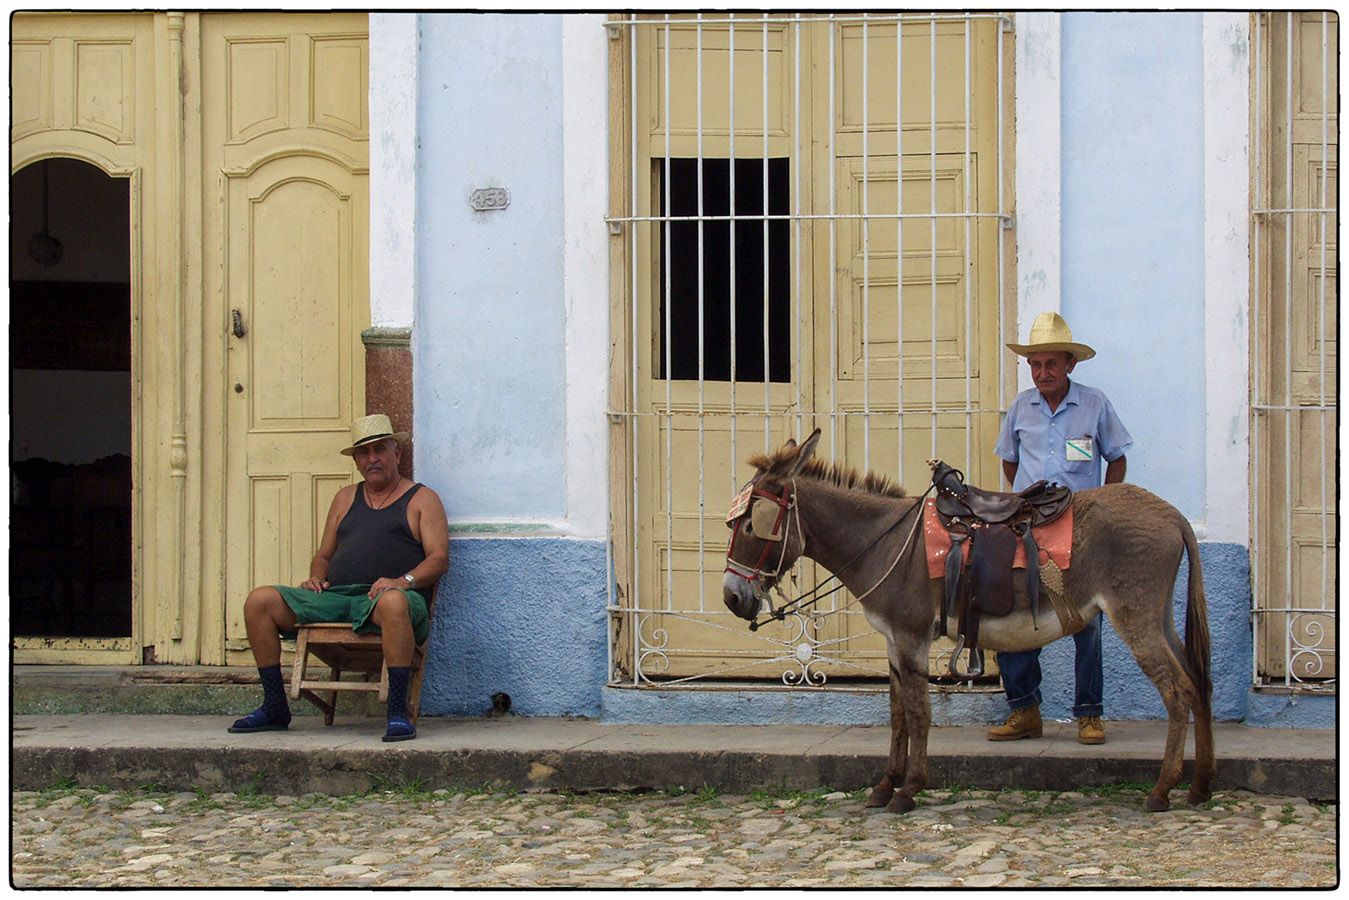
343 650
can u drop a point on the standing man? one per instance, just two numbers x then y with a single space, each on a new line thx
1059 430
385 541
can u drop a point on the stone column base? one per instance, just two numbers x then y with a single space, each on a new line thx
388 381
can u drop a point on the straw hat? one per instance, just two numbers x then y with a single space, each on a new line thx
369 429
1050 333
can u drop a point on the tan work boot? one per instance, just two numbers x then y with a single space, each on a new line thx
1022 723
1090 730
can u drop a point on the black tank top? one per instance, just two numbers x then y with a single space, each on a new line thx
375 543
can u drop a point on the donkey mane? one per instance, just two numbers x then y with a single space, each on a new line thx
834 473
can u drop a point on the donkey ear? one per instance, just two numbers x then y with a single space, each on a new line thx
806 452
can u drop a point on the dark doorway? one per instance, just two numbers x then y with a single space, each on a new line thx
70 402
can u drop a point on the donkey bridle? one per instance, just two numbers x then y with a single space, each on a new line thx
787 503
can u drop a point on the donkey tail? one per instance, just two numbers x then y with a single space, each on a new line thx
1196 626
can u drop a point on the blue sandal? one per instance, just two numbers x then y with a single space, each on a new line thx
258 720
400 729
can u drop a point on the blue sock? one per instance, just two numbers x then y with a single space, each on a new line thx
274 694
274 713
400 726
398 691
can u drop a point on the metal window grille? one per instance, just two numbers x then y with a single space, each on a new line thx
790 101
1294 400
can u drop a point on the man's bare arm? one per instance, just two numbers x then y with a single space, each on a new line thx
1009 471
435 536
1114 471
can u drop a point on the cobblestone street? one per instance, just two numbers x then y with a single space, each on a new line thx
406 837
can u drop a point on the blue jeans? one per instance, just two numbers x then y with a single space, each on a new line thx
1021 674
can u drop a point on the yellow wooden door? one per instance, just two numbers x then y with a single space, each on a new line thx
695 435
285 137
764 92
926 354
1295 326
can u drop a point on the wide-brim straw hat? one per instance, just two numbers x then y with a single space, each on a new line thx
1050 333
369 429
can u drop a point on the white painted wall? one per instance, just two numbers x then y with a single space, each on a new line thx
585 174
1038 180
489 348
393 168
1227 264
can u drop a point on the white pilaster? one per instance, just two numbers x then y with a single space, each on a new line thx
1227 266
1039 185
585 129
393 168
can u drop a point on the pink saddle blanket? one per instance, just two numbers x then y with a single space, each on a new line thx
1054 539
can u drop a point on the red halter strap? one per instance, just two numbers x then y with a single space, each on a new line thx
781 525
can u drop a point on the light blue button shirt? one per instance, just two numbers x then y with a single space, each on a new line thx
1038 440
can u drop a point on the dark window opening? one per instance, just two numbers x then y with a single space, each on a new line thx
680 255
70 558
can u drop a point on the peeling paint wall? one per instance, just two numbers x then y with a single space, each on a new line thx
488 348
1133 234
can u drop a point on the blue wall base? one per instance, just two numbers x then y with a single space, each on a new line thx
788 706
1274 708
1129 695
520 616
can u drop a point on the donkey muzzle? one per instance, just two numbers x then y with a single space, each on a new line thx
743 597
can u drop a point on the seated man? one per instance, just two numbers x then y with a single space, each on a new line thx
384 539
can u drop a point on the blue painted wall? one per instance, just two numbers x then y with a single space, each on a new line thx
489 347
523 616
1132 233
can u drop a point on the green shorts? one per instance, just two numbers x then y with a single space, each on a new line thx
351 603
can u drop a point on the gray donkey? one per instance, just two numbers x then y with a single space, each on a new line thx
1126 552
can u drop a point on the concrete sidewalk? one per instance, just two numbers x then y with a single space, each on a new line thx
185 752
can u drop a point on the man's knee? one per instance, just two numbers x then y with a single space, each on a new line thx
261 601
265 603
392 604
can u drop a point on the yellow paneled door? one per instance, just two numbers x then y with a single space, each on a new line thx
285 140
694 438
1295 347
793 90
912 325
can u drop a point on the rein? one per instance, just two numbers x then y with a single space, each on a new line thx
814 596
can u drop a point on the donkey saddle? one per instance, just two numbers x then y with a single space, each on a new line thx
992 522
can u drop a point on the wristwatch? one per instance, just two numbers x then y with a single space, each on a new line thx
409 579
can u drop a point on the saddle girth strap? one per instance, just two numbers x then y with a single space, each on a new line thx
1032 574
952 577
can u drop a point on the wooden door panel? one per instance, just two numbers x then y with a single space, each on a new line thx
287 129
687 468
1295 330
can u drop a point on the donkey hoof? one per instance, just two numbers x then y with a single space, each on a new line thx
1197 796
1157 804
900 803
880 795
